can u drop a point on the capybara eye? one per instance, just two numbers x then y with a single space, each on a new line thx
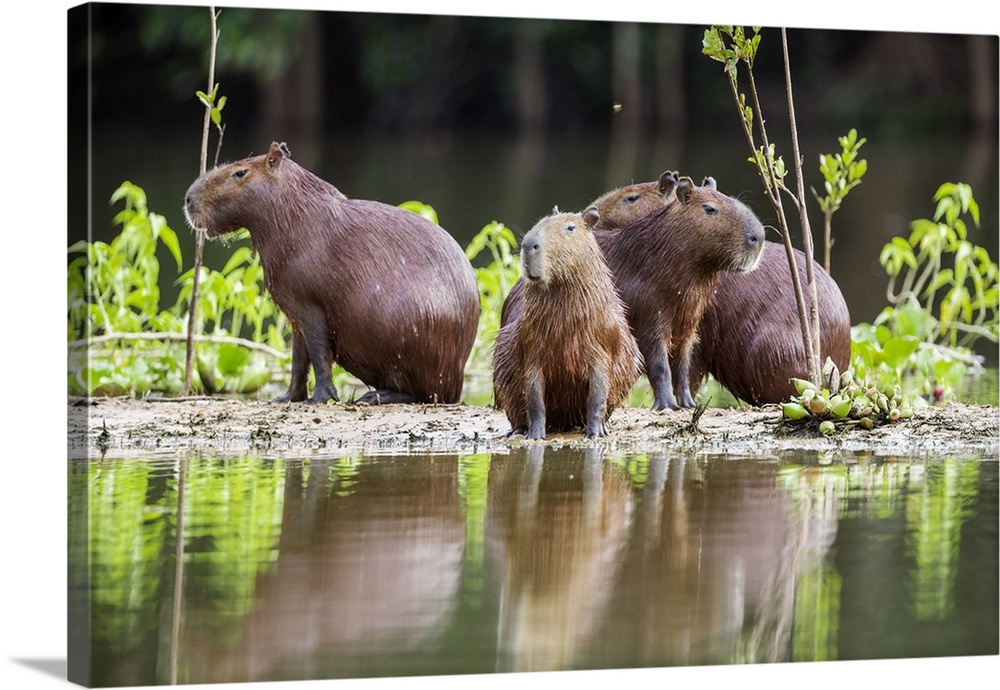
631 198
570 228
709 209
240 173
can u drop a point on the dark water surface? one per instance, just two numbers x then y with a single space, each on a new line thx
222 569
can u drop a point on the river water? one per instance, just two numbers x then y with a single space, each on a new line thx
210 568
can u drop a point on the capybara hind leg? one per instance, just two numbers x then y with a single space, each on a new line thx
385 397
298 388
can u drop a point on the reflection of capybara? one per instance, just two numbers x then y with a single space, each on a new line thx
382 291
566 358
749 338
666 266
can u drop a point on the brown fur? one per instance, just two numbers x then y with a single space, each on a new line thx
666 266
382 291
567 358
749 338
624 205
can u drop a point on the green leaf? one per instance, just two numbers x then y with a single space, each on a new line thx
238 258
896 351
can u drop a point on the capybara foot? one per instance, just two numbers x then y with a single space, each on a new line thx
384 398
290 396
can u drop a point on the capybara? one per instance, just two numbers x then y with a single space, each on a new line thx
749 338
621 206
382 291
666 266
566 358
614 210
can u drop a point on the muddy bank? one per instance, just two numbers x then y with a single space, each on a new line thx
117 426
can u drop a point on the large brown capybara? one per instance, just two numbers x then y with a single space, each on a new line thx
382 291
749 338
666 266
566 358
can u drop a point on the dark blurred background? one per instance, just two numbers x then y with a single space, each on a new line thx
502 118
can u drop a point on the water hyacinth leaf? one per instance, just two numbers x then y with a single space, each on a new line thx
897 350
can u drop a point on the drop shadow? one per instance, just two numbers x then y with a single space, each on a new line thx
51 667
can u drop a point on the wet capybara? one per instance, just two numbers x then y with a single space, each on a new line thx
566 358
749 338
621 206
382 291
667 265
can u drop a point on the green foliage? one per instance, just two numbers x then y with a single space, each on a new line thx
947 300
121 341
842 171
215 109
495 280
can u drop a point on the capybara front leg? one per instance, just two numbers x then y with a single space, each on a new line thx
317 341
660 379
597 402
298 388
682 385
535 401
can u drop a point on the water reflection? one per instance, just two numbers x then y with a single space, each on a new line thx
370 558
557 529
540 559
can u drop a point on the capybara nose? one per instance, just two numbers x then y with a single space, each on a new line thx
755 236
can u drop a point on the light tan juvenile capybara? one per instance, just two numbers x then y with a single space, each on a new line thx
382 291
567 357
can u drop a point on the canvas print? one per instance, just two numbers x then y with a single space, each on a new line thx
414 345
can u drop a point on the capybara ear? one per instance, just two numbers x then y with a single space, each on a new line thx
668 180
708 182
684 188
277 153
591 216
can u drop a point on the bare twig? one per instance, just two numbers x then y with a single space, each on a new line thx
214 339
199 232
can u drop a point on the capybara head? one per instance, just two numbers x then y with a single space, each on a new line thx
725 234
235 195
621 206
560 247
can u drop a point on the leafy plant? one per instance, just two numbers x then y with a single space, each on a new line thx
845 401
121 341
732 45
495 280
947 300
842 172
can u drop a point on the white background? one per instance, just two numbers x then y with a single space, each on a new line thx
32 314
